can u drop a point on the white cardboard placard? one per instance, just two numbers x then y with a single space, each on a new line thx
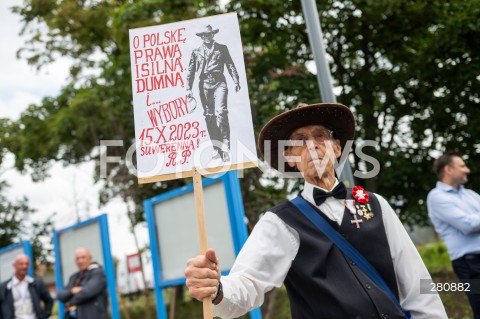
170 128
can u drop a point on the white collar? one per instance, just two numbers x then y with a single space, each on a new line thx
308 187
308 190
15 281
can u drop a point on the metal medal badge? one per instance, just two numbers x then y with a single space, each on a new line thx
359 206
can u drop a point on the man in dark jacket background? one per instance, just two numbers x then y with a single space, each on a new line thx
85 294
21 295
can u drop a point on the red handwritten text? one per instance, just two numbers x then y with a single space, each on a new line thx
167 37
157 63
166 112
174 132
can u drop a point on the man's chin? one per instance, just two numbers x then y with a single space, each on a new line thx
319 165
318 171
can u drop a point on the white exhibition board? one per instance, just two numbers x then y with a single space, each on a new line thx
6 262
177 232
171 130
87 236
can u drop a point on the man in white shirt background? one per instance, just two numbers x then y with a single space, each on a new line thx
455 214
24 297
285 247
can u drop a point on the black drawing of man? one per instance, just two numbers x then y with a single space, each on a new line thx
209 61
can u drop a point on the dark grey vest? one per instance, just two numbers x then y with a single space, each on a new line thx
323 283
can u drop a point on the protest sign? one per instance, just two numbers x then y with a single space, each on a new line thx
191 106
190 99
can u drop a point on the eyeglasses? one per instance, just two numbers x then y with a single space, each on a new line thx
319 136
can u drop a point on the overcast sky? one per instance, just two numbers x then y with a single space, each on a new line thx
22 85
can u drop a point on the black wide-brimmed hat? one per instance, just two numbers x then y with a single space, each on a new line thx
334 116
206 30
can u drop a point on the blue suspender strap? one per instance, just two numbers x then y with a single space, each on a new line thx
345 247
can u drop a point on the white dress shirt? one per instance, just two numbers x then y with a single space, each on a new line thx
22 301
265 259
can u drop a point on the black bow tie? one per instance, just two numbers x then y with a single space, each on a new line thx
320 196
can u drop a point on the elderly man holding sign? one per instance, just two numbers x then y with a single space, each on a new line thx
342 253
174 138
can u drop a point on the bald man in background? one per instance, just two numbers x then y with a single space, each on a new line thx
24 297
85 295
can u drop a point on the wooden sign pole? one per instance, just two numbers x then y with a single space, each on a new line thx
202 232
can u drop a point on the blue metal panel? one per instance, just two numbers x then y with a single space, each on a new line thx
178 192
79 225
239 231
237 212
9 247
157 270
27 250
58 271
109 268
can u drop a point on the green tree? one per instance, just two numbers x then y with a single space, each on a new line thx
409 69
12 216
17 224
17 219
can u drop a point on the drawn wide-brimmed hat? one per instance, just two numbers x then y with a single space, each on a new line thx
206 30
334 116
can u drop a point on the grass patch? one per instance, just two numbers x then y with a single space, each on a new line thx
435 256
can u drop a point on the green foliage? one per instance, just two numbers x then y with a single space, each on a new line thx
409 70
16 225
11 217
435 257
281 305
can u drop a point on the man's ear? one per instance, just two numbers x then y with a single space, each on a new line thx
337 148
289 157
447 170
